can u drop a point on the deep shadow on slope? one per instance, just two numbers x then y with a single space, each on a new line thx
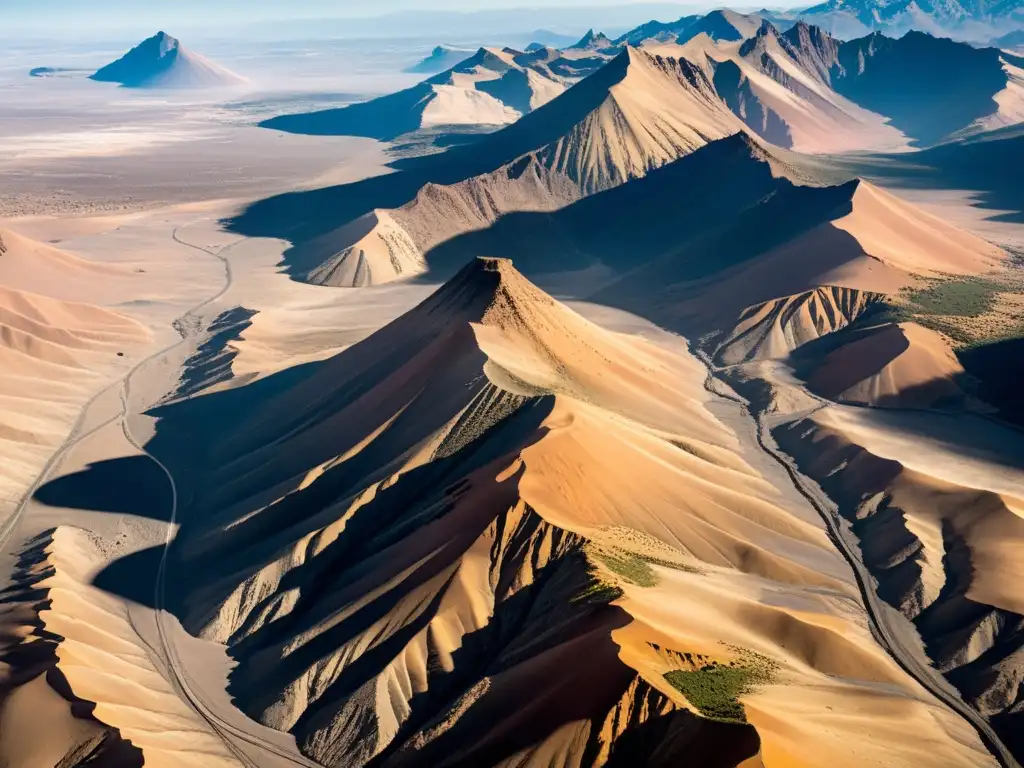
303 216
393 115
32 662
872 493
989 164
879 343
999 369
929 87
132 576
735 89
210 364
385 118
143 63
131 485
222 431
700 215
624 226
540 630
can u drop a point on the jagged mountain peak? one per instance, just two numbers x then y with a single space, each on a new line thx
592 39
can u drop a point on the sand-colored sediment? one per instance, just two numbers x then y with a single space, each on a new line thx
103 662
819 280
898 365
416 508
41 268
54 354
906 238
1010 101
940 517
492 87
834 683
660 109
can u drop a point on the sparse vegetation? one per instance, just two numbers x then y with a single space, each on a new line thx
693 450
669 564
598 592
631 567
598 589
969 311
1016 255
969 297
715 689
629 555
880 313
1009 334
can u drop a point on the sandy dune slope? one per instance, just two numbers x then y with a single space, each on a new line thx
773 329
656 111
375 249
640 109
54 354
388 245
633 115
776 258
1010 100
868 240
93 679
800 89
897 365
936 503
621 229
404 543
889 245
906 238
30 265
805 89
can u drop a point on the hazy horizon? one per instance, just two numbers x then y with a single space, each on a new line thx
117 19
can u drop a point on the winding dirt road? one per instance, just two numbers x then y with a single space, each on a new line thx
227 732
189 326
880 615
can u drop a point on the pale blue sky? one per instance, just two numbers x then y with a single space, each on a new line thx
68 18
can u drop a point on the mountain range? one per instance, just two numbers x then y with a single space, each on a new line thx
492 87
800 89
498 559
679 424
689 181
968 20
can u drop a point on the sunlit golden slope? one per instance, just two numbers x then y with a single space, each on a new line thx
483 536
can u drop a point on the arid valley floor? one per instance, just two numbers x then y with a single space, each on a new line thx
650 401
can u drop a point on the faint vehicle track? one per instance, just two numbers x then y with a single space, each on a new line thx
189 323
